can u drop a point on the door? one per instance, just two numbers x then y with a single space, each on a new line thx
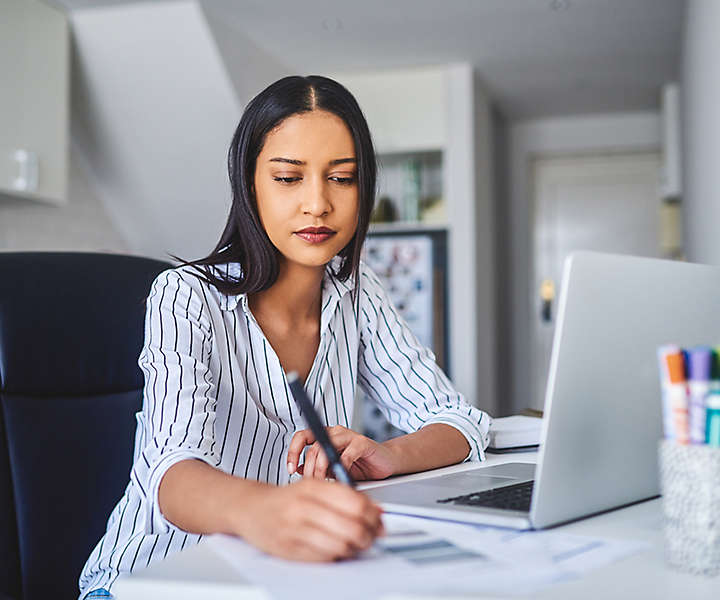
607 203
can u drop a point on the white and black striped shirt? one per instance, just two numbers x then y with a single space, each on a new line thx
215 391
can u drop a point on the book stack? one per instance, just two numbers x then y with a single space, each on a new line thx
514 434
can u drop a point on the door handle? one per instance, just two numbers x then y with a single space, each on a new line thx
27 179
547 296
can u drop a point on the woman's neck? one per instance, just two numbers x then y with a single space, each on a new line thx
294 298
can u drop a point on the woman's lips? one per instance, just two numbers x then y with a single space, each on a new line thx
315 237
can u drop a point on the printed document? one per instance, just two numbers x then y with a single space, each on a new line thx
427 556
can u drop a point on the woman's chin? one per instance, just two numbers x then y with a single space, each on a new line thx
311 259
314 256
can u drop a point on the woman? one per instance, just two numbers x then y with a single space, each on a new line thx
219 438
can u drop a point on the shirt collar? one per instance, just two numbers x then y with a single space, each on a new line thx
333 289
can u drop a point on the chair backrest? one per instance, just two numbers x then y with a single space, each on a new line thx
71 331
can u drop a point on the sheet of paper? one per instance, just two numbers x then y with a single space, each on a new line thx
406 560
430 557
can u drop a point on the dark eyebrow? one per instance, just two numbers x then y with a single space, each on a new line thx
339 161
293 161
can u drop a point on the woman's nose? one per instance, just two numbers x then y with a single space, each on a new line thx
316 201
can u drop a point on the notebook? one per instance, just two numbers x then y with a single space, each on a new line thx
514 432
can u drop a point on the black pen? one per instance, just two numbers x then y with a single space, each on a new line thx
316 426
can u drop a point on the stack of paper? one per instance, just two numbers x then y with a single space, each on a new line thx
424 556
514 432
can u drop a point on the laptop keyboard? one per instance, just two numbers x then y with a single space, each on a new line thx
513 497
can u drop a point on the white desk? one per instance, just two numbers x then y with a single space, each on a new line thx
197 572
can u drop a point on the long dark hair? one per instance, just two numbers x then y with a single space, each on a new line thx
244 240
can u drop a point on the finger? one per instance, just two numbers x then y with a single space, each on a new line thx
353 534
333 517
351 503
310 458
341 437
354 451
305 552
301 439
339 430
381 532
326 545
305 546
322 464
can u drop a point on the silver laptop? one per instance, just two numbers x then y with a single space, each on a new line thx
603 414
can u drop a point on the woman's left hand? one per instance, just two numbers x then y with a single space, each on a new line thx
361 456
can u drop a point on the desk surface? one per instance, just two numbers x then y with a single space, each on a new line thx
198 572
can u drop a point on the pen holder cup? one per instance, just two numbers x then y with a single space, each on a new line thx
690 485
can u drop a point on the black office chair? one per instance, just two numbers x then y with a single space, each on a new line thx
71 331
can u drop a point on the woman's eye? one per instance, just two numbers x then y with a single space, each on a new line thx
336 179
343 180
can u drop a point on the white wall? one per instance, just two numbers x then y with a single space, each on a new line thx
153 114
403 107
249 68
469 187
459 183
701 121
565 135
483 237
80 224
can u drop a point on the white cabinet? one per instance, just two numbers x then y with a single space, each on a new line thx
34 100
405 109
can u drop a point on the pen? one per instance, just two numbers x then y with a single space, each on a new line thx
316 426
700 365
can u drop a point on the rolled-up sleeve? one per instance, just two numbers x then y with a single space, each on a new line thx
400 375
177 421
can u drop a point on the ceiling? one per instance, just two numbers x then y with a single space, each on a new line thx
536 57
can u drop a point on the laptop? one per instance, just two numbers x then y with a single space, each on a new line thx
603 413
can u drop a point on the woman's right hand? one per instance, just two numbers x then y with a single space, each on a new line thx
310 520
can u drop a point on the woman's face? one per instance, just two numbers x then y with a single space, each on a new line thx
306 187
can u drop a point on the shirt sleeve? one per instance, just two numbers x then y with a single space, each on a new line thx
177 421
401 377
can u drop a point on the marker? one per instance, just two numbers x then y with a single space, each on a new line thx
318 430
700 363
663 352
713 420
715 370
677 396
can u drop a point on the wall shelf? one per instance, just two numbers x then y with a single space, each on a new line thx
407 226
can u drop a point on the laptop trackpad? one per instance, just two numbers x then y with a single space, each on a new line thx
475 482
484 478
428 491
